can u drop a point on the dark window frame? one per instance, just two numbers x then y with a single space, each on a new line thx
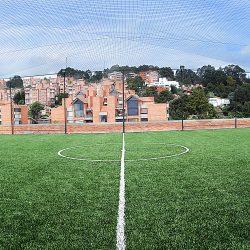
133 106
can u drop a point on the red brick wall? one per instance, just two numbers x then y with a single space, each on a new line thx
130 127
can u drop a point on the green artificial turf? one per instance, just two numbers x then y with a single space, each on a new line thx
199 200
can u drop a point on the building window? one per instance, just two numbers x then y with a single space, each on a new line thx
133 120
105 101
78 108
17 110
144 110
103 118
144 119
132 106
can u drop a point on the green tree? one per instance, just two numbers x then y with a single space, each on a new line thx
164 97
147 67
76 73
15 82
239 101
19 97
174 89
59 98
35 111
178 108
167 72
136 84
150 91
186 76
236 72
195 105
96 77
199 106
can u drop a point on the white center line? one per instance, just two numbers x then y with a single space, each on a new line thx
120 229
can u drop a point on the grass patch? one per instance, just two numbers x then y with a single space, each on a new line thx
199 200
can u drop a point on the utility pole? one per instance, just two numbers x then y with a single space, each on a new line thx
123 102
182 113
64 102
11 110
182 102
235 108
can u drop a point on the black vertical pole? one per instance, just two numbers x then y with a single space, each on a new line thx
235 111
123 103
64 101
182 115
11 110
182 103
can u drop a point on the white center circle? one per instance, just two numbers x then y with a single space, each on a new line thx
184 150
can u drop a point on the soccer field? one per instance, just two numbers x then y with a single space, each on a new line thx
175 198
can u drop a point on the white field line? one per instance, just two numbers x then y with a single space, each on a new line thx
120 229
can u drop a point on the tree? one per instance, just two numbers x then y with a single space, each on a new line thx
195 105
96 77
164 97
15 82
235 72
178 108
19 97
167 72
136 84
150 91
174 89
147 67
35 111
76 73
59 98
199 106
207 74
222 81
239 102
186 76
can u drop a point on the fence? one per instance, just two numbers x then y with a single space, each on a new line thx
130 127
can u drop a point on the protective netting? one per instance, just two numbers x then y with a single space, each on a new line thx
37 36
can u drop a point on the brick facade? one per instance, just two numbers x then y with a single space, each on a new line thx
20 114
103 104
130 127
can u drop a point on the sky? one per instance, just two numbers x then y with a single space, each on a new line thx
36 36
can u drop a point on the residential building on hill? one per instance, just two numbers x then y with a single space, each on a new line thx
163 82
219 102
45 90
150 76
115 76
103 103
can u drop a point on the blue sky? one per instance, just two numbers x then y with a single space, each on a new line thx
37 36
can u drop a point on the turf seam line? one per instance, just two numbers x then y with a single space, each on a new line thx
120 229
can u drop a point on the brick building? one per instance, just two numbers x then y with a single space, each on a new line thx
103 103
150 76
45 90
20 114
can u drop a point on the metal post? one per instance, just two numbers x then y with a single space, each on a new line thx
11 110
182 102
182 116
235 111
64 103
123 103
